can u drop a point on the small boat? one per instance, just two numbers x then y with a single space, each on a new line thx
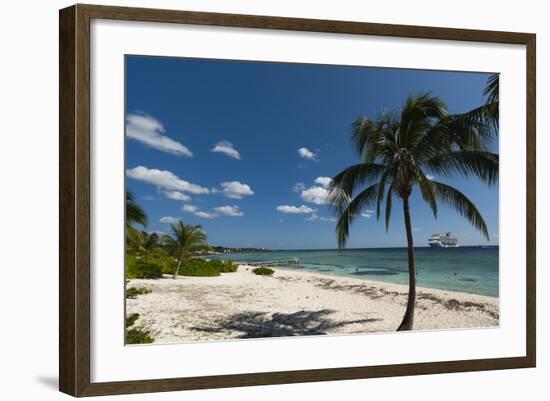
443 241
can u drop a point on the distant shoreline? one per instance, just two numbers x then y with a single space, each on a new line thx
358 249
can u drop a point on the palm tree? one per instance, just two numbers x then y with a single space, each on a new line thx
134 215
149 242
143 242
186 240
397 152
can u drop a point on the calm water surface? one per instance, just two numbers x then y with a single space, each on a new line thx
467 269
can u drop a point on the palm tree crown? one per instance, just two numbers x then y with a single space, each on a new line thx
142 242
134 213
186 240
397 153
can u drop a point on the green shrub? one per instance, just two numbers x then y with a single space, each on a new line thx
137 335
199 270
142 268
207 268
161 258
263 271
131 319
133 292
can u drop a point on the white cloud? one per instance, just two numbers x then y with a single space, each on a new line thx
323 181
149 130
368 214
169 220
307 154
199 213
176 195
189 208
164 179
235 189
205 215
317 195
229 210
315 217
295 209
227 149
299 187
429 177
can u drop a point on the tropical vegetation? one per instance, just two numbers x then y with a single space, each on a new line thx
135 334
263 271
186 240
133 292
403 151
150 255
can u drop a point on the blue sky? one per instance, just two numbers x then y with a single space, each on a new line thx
243 148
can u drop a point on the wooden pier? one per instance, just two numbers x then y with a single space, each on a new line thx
284 262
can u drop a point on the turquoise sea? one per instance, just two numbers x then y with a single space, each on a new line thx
466 269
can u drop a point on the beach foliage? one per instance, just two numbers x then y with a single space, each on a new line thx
142 268
414 148
225 266
136 335
263 271
131 319
133 292
207 268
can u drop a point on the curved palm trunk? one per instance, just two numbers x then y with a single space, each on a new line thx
177 269
179 265
408 319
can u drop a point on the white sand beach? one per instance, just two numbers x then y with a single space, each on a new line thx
244 305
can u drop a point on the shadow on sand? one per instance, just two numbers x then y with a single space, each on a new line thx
261 324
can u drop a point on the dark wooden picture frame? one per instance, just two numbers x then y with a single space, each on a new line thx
74 203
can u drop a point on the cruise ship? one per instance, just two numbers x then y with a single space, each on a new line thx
443 241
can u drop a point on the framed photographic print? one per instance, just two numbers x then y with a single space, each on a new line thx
250 200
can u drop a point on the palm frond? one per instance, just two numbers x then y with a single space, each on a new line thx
374 140
134 213
363 136
352 179
483 165
363 200
464 206
185 238
417 115
492 89
133 237
426 188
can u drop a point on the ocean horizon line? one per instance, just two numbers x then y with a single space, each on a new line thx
267 249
